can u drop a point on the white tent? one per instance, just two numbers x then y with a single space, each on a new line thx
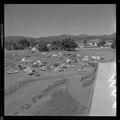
34 49
12 71
54 55
28 70
23 60
60 54
79 55
68 61
85 58
39 61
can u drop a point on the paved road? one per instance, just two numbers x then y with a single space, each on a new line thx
102 101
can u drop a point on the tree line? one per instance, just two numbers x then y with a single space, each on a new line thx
47 45
41 45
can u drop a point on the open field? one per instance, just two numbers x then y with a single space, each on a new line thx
89 52
56 91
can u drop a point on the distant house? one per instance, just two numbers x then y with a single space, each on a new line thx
93 42
80 45
108 44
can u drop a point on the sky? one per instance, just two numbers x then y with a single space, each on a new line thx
40 20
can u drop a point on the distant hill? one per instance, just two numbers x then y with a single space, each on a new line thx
16 38
78 38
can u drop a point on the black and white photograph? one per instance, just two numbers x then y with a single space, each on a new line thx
60 60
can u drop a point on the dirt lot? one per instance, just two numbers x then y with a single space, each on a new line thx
69 98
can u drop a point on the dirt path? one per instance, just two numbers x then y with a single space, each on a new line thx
81 94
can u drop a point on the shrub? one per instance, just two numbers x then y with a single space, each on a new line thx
113 46
85 42
69 44
56 45
32 42
22 44
101 43
42 46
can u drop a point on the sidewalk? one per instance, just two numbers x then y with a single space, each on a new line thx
102 100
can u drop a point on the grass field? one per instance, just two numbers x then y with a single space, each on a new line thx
69 99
